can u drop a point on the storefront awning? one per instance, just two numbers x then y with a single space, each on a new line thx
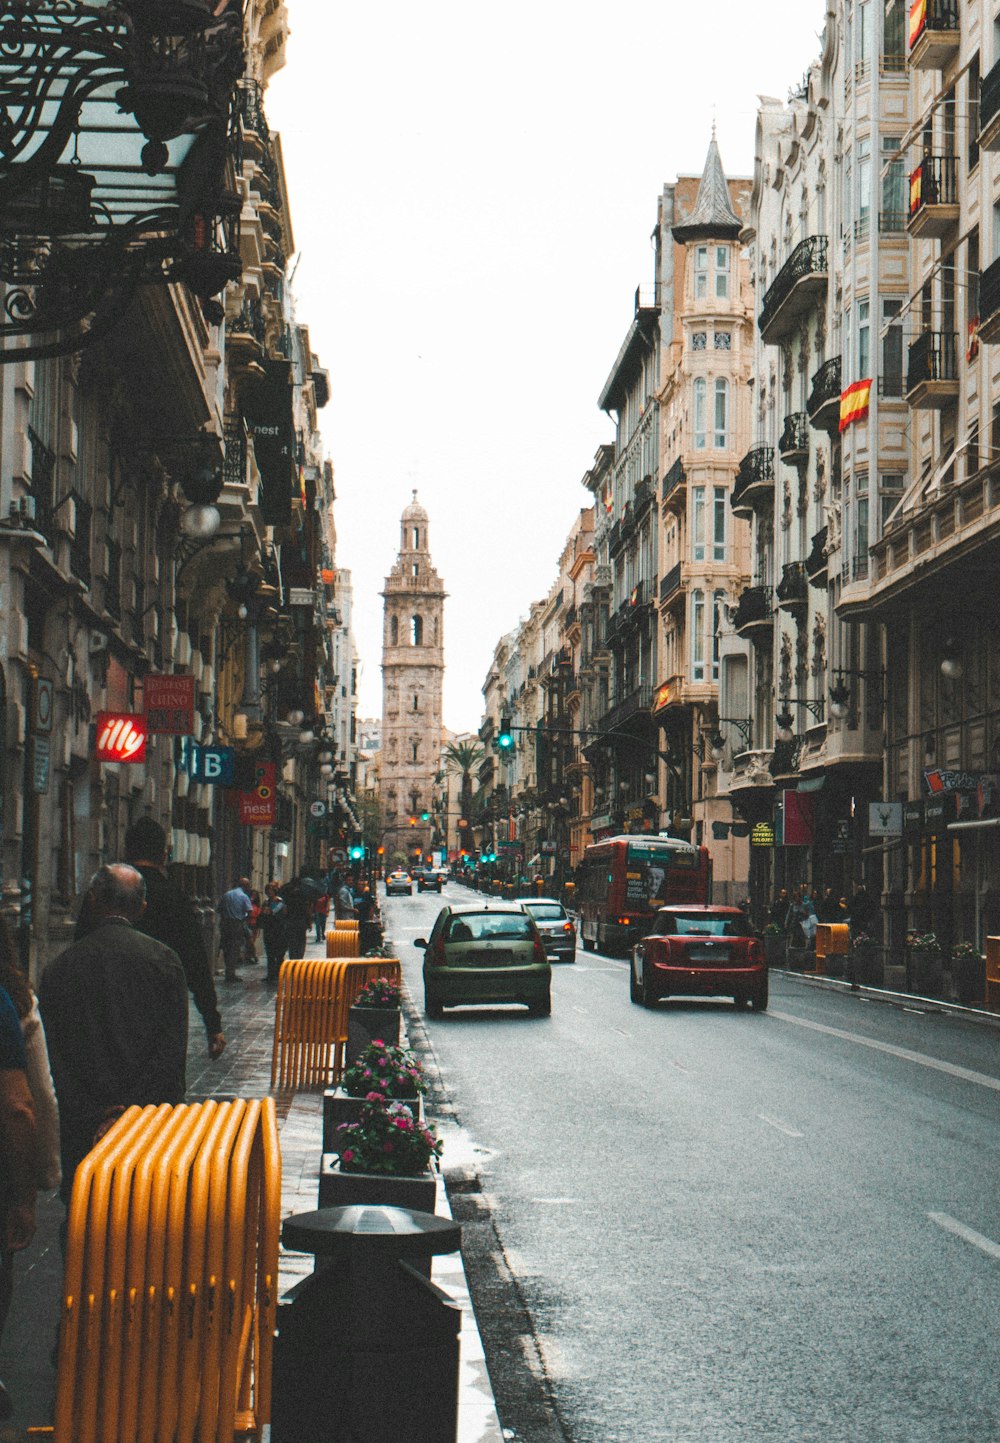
811 784
969 826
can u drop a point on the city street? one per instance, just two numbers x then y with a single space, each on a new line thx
727 1226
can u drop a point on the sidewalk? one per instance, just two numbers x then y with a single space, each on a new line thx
244 1070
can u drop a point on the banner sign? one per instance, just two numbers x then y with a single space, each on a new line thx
215 765
268 410
121 737
936 780
259 808
885 819
168 702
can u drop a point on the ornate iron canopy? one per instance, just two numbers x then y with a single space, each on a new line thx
115 160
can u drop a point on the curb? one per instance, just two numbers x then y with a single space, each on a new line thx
893 999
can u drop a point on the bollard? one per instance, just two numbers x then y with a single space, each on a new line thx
366 1346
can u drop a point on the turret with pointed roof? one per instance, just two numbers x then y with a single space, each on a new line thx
713 217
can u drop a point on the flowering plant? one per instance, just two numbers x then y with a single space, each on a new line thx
380 992
961 950
923 942
385 1071
773 930
860 939
387 1139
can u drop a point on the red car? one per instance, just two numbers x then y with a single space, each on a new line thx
699 952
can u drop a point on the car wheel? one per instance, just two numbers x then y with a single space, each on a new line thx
634 991
411 891
432 1007
541 1008
741 1001
758 999
648 995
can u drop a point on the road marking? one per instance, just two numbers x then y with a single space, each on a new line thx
964 1074
621 1032
968 1235
556 1201
781 1126
678 1066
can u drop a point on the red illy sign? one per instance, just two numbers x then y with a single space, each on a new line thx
121 737
168 702
259 808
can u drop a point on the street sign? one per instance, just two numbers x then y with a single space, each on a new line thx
317 809
44 699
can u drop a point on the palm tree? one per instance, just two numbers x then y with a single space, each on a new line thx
460 758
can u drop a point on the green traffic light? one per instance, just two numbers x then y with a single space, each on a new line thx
425 816
357 854
504 738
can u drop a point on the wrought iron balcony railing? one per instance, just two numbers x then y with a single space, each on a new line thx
932 185
989 302
753 610
794 443
792 590
816 561
932 357
805 270
673 478
671 582
823 404
754 478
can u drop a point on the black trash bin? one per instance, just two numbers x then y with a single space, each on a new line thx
369 936
367 1347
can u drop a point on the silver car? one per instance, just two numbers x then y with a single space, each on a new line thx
555 925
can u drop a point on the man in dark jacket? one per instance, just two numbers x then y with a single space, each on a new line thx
170 918
115 1011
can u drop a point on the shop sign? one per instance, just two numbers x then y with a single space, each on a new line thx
913 817
268 406
548 849
168 702
885 819
121 737
937 781
301 596
939 811
41 749
44 700
762 835
215 765
259 807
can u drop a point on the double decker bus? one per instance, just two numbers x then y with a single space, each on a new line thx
623 881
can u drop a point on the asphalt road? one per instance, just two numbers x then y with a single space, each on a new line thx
699 1225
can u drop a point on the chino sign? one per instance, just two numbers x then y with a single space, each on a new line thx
121 737
168 702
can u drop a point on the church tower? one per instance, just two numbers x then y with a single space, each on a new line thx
412 677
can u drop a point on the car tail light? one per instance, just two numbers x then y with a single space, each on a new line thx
435 952
567 926
623 921
539 951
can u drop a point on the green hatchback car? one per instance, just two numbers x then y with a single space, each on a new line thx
485 952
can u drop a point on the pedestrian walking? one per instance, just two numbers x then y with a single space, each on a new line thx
18 1160
343 898
115 1010
780 908
862 912
234 915
298 895
40 1084
828 909
170 917
321 910
274 929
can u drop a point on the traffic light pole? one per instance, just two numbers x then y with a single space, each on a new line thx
505 739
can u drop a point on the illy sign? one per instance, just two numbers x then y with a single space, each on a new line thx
121 737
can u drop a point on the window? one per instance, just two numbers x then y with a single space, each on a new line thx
718 601
394 631
860 550
697 636
723 341
700 272
416 703
720 429
864 37
698 523
894 36
864 186
892 347
720 509
700 408
721 272
416 631
972 294
864 372
698 340
893 214
972 112
890 488
415 569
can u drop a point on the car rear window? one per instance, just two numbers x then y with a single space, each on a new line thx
485 926
677 924
550 913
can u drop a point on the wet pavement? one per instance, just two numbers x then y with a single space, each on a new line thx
244 1070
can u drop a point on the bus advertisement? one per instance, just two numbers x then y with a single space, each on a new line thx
623 881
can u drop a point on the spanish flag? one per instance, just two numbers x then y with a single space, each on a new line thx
916 188
918 20
854 403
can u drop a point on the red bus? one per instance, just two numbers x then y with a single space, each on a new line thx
623 881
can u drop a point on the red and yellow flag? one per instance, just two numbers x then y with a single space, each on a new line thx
918 20
916 188
854 403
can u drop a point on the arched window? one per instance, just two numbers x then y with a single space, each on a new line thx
394 631
416 538
416 630
700 408
416 751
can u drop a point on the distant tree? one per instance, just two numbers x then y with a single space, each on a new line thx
460 758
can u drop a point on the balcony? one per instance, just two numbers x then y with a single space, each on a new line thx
615 538
645 493
989 304
754 616
792 590
43 483
793 448
672 481
934 33
754 484
932 371
638 701
815 562
670 586
989 110
823 404
933 209
794 289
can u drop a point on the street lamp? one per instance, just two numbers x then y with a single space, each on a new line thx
951 660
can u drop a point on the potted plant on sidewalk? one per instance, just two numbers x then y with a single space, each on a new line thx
864 961
775 945
390 1072
925 964
387 1157
375 1012
968 973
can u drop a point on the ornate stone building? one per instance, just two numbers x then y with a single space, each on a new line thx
412 677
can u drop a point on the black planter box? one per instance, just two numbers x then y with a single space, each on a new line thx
339 1189
365 1024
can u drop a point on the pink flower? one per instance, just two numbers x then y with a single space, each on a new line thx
402 1124
378 1042
347 1156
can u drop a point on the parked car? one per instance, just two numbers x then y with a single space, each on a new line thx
555 926
699 952
485 952
427 880
399 883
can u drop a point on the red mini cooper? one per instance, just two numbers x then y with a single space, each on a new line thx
699 952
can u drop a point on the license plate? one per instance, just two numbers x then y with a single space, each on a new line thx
708 954
498 958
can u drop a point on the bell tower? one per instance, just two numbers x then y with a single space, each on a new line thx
412 679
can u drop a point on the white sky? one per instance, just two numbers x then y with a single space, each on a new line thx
472 192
